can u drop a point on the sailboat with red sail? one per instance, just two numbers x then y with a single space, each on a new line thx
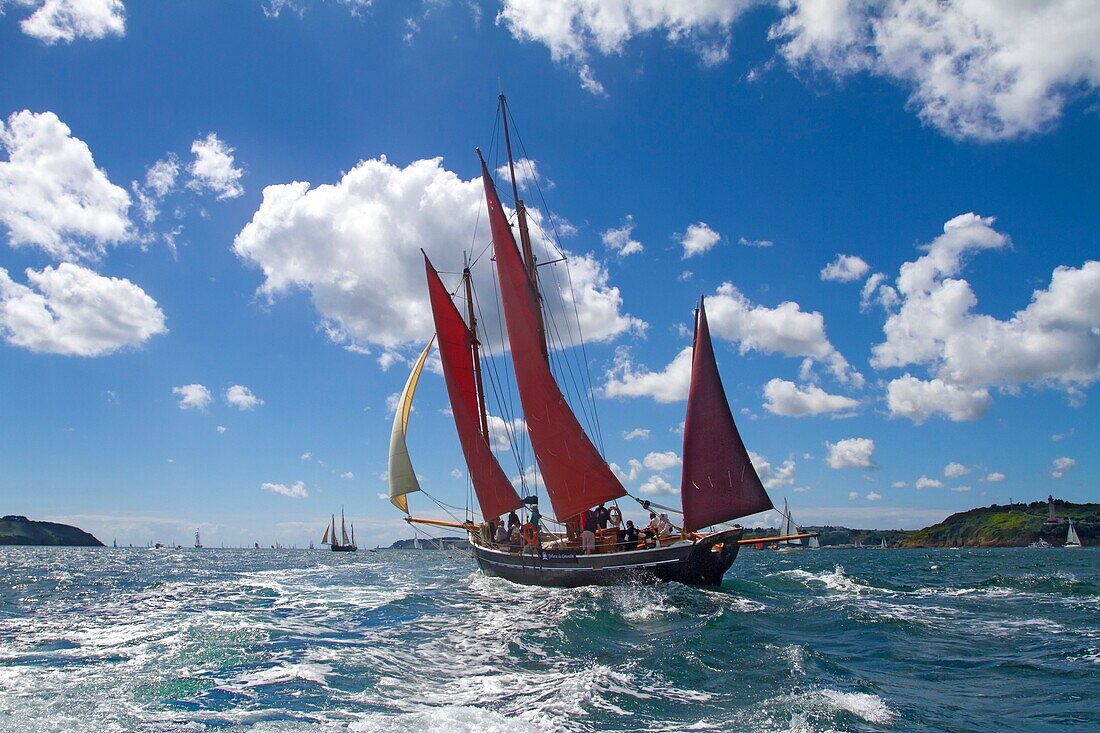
719 483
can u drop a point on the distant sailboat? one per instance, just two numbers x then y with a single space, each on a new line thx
814 544
883 545
1072 540
341 542
787 527
198 543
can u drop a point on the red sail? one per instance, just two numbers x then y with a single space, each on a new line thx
575 474
494 492
719 482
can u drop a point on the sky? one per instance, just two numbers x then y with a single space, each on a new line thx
211 217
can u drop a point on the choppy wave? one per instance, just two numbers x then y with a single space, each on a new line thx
114 640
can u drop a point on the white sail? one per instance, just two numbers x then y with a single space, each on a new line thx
344 529
325 539
814 544
1072 540
402 477
788 527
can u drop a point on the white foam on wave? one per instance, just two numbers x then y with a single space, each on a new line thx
836 581
869 707
453 719
279 674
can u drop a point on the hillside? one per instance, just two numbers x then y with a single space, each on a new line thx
17 530
1016 525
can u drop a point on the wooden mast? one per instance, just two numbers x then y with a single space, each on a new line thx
524 233
482 414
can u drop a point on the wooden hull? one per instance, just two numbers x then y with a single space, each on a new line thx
702 562
344 548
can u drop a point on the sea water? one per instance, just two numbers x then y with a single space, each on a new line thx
266 640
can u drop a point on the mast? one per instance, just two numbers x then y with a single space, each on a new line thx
529 260
482 414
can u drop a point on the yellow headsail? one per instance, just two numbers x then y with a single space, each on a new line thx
402 477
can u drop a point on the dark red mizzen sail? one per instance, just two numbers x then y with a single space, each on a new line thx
495 493
719 481
575 474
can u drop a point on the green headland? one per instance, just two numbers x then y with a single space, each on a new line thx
18 530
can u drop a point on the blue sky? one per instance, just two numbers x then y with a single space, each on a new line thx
193 335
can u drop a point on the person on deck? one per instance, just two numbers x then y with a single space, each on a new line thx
664 527
501 535
615 517
628 538
588 536
652 526
513 520
649 537
602 517
515 539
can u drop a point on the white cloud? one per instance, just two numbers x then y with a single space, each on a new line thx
845 269
785 329
670 384
456 473
898 485
762 243
52 195
242 398
657 486
698 239
73 311
928 483
221 429
573 29
628 476
297 490
64 21
1061 466
873 496
307 456
773 476
978 69
1053 342
919 400
194 397
589 82
501 432
620 240
347 475
787 398
994 477
853 495
960 489
955 470
355 247
636 434
160 180
527 174
213 168
875 290
850 453
662 461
